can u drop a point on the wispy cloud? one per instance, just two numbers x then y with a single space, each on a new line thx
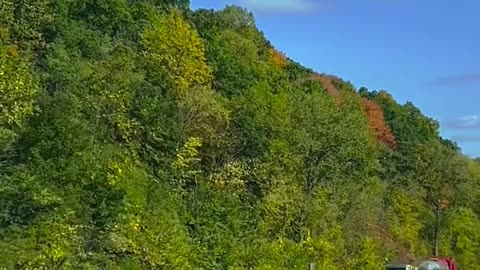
458 80
465 122
283 6
466 138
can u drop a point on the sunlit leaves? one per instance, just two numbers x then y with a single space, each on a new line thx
17 88
405 220
18 91
173 139
175 54
464 234
232 178
186 161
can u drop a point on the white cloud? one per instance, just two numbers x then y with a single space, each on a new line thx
471 121
282 6
466 138
465 122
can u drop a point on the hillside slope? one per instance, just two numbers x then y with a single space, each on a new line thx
143 135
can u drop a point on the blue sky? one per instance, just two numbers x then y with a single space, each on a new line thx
423 51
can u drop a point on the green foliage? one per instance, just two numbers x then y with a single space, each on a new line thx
143 135
181 4
175 54
18 92
464 234
176 61
369 256
27 21
405 221
406 121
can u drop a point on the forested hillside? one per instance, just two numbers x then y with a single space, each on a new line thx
139 134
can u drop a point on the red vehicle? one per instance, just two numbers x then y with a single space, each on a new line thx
439 263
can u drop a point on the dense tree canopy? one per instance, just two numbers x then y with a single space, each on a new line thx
144 135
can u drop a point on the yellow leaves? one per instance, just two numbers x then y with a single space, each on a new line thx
56 253
464 224
308 241
368 256
175 53
282 206
134 223
46 197
117 171
404 222
114 174
187 154
324 249
18 88
57 247
175 57
231 178
186 159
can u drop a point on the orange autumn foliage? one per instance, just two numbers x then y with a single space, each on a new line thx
377 123
328 84
278 59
